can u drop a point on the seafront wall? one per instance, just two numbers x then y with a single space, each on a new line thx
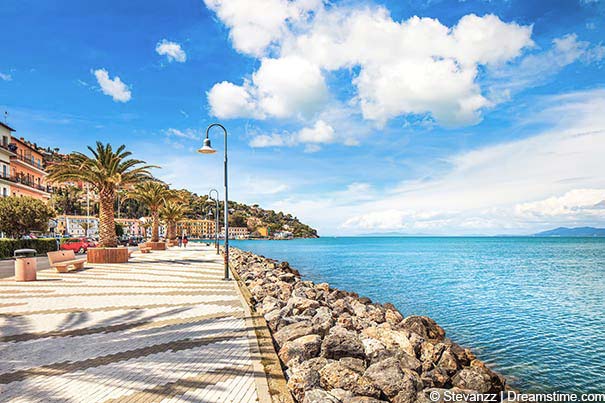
336 346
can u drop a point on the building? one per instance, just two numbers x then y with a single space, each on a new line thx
263 232
27 176
236 232
196 228
5 156
132 227
75 225
283 235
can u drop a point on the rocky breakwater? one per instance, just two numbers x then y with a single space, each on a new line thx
338 347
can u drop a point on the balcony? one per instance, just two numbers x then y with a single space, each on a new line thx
30 161
9 148
26 182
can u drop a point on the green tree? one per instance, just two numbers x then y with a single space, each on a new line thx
171 212
119 230
154 195
21 215
107 171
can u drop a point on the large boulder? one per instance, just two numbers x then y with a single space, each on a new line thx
319 396
341 342
322 321
335 375
392 380
478 377
300 349
293 331
396 339
305 376
423 326
405 360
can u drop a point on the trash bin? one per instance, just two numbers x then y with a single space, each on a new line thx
25 264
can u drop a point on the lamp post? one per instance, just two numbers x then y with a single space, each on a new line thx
216 218
207 149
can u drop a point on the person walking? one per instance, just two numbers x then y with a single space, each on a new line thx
185 241
180 241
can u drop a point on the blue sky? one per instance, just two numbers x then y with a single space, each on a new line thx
418 117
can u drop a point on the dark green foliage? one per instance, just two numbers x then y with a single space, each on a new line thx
119 230
21 215
42 245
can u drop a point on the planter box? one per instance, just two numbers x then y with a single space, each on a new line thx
173 242
156 245
107 255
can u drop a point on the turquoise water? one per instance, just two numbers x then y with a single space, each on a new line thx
532 308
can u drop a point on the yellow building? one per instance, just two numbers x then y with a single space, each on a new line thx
196 228
263 231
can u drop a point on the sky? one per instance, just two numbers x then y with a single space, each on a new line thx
432 117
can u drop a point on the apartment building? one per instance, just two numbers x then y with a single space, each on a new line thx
27 174
236 232
132 227
5 156
75 225
196 228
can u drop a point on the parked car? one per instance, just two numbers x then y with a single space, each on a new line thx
130 241
78 245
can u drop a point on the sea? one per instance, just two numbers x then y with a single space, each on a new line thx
532 308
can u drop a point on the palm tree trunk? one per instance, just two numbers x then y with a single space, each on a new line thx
155 229
107 226
171 230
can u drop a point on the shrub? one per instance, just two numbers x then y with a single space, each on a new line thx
21 215
41 245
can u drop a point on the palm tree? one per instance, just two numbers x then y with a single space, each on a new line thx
172 212
154 195
107 171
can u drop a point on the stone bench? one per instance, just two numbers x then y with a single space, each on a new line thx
62 259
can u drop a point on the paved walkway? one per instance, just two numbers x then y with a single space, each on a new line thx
162 328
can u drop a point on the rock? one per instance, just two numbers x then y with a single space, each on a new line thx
474 378
391 338
448 362
302 381
371 346
270 304
363 399
393 316
293 331
354 364
322 321
341 342
337 376
405 360
300 349
430 352
424 327
302 304
392 380
273 319
319 396
435 378
342 395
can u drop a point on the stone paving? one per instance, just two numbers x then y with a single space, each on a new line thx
162 328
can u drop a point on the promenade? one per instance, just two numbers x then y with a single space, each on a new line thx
162 328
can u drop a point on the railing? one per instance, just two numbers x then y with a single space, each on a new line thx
8 148
30 161
24 181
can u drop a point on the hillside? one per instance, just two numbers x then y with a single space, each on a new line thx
574 232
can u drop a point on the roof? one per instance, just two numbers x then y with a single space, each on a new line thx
7 126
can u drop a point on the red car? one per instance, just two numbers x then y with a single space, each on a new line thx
78 245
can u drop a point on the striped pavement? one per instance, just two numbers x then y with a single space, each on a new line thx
164 327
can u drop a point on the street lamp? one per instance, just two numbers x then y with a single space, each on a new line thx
207 149
217 214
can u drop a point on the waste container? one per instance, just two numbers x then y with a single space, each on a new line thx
25 264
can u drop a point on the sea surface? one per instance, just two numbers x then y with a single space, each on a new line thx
532 308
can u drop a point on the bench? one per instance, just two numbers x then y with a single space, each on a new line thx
62 259
143 248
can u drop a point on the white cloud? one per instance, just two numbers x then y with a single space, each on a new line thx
285 87
254 25
313 137
190 134
171 50
114 88
416 66
6 77
536 68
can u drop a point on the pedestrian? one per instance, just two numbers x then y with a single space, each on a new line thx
185 241
180 241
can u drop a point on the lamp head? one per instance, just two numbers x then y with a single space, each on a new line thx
207 147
